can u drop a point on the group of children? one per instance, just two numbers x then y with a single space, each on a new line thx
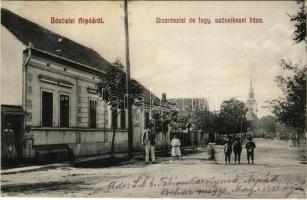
229 147
236 148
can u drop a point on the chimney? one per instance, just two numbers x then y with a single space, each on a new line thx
58 50
30 45
164 98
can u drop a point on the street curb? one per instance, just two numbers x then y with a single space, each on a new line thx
138 155
62 164
33 168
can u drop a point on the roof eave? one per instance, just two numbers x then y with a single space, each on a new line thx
86 67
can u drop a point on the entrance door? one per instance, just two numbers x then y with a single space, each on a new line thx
16 122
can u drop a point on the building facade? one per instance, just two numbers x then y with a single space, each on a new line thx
50 96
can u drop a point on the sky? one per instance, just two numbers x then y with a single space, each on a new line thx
215 61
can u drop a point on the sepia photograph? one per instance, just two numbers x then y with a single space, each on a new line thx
153 99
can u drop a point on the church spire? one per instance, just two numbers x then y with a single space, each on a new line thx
251 89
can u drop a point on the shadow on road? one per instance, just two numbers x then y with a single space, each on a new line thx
101 163
36 187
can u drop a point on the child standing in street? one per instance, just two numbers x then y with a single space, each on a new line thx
237 149
175 143
250 146
227 151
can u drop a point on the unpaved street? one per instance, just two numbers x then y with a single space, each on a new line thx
279 172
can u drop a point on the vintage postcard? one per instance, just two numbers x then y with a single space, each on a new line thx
153 99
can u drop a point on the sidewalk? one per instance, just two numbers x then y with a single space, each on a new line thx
62 164
118 159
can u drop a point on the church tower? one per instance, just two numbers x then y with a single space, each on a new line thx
251 115
251 102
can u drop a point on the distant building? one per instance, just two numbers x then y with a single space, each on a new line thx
187 106
252 112
251 102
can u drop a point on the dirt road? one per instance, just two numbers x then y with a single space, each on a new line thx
278 172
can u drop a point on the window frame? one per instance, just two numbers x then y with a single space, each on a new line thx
41 106
89 113
114 121
59 108
123 119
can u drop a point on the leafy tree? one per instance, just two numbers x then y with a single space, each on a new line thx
283 132
232 119
113 86
299 20
290 108
268 124
206 121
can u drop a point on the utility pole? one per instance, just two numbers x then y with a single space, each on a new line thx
130 130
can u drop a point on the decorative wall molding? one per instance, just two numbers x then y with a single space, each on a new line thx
92 90
39 65
54 81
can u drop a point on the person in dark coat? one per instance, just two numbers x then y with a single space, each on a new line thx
250 147
237 149
227 150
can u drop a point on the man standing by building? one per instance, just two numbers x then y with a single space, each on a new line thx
148 140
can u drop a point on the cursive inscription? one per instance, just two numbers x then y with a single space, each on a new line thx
174 186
